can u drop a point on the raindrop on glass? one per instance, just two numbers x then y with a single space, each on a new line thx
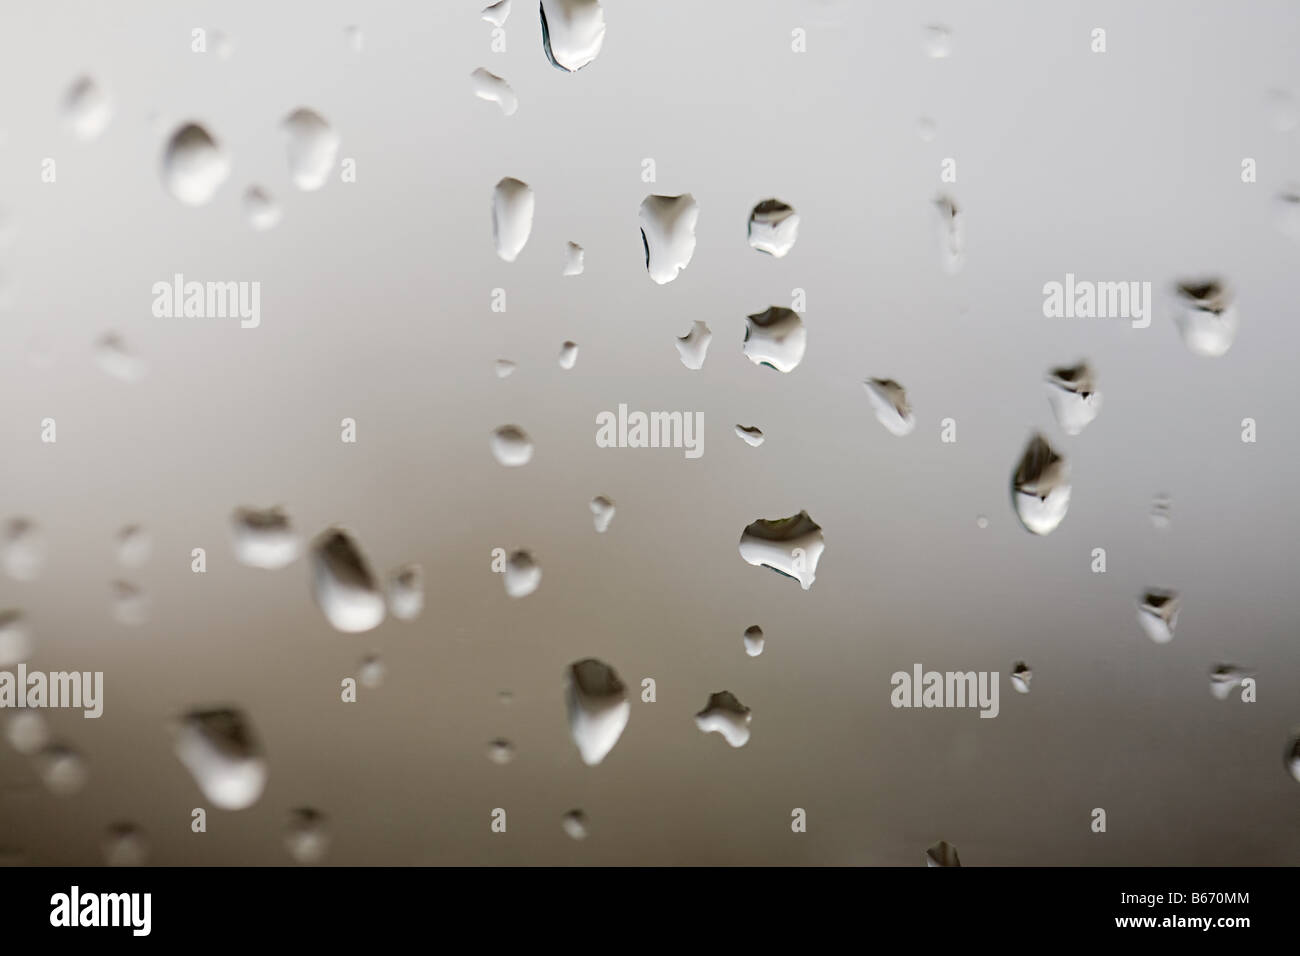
1288 212
512 217
24 549
1207 316
223 756
355 38
511 446
568 355
773 227
343 584
1158 614
522 574
727 716
63 770
572 32
504 368
194 165
307 836
575 824
668 234
1072 393
15 639
1021 675
602 513
27 731
694 345
952 235
262 211
501 752
125 844
488 86
1293 757
775 338
981 521
942 853
752 435
86 109
1040 487
937 41
133 546
598 709
1224 678
573 259
889 402
497 13
130 604
263 538
113 357
1161 511
406 592
753 640
312 149
792 546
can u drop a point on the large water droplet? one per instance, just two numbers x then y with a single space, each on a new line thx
573 32
598 708
522 575
568 355
406 592
751 435
753 640
790 546
264 538
115 359
15 639
727 716
125 844
133 545
775 338
497 13
28 731
1040 487
1158 614
1207 316
574 824
501 752
488 86
86 109
952 235
262 211
512 446
668 234
602 512
307 836
937 41
694 345
1021 675
313 147
194 165
512 217
1072 393
63 770
889 402
942 853
344 587
1224 678
24 549
573 259
223 756
773 227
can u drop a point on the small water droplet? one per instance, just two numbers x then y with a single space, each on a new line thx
1072 393
775 338
598 710
926 129
24 549
115 359
63 770
505 697
1158 614
501 752
133 545
727 716
753 640
263 538
568 355
573 259
1283 114
194 165
86 109
1224 678
125 844
694 345
575 824
773 227
512 446
223 756
1161 511
942 853
573 32
668 234
313 148
343 584
889 402
262 211
512 217
15 639
1021 675
307 835
752 435
505 368
130 604
952 235
406 592
523 574
602 512
937 41
1040 487
1207 316
789 546
981 521
371 671
28 731
497 13
488 86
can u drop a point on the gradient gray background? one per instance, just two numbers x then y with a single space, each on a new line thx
375 301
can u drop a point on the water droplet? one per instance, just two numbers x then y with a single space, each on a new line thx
313 148
488 86
981 521
406 592
575 824
572 32
598 709
1040 487
505 368
573 259
694 345
512 217
501 752
372 671
942 853
889 402
223 756
27 731
1293 757
24 549
952 235
568 355
125 844
1161 511
356 40
1207 316
775 338
1158 614
773 227
307 836
264 538
194 165
789 546
262 211
15 639
130 604
522 575
86 109
727 716
754 641
668 234
505 697
497 13
223 45
1283 114
133 546
1021 675
1224 678
113 357
937 41
926 129
511 446
752 435
344 587
1073 395
63 770
602 511
1288 212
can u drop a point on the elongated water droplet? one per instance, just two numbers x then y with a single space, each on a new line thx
133 545
501 751
727 716
86 109
789 546
889 402
573 32
752 435
312 148
307 837
63 770
1224 678
753 640
24 549
497 13
115 359
371 671
573 259
1292 757
942 853
505 368
15 639
194 165
694 345
1040 487
512 446
1207 316
344 587
355 38
522 575
488 86
264 538
28 731
1072 393
668 234
125 844
602 512
597 707
574 824
262 211
1158 614
937 41
1021 675
568 355
952 235
406 592
773 227
130 604
775 338
223 756
512 217
1161 511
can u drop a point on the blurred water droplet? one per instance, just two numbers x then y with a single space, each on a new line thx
773 227
1288 211
694 345
262 211
113 357
952 235
130 604
602 511
307 836
668 234
505 368
194 165
1040 487
313 147
1283 114
727 716
512 446
497 13
1224 678
1161 511
1293 757
889 402
512 217
1207 316
27 731
344 587
598 710
406 592
488 86
575 824
937 41
1072 393
355 38
942 853
133 545
752 435
63 770
981 521
505 697
222 45
223 756
1021 675
753 640
775 338
86 109
263 538
573 32
926 129
789 546
501 752
125 844
568 355
522 574
24 549
371 671
1158 614
15 639
573 259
